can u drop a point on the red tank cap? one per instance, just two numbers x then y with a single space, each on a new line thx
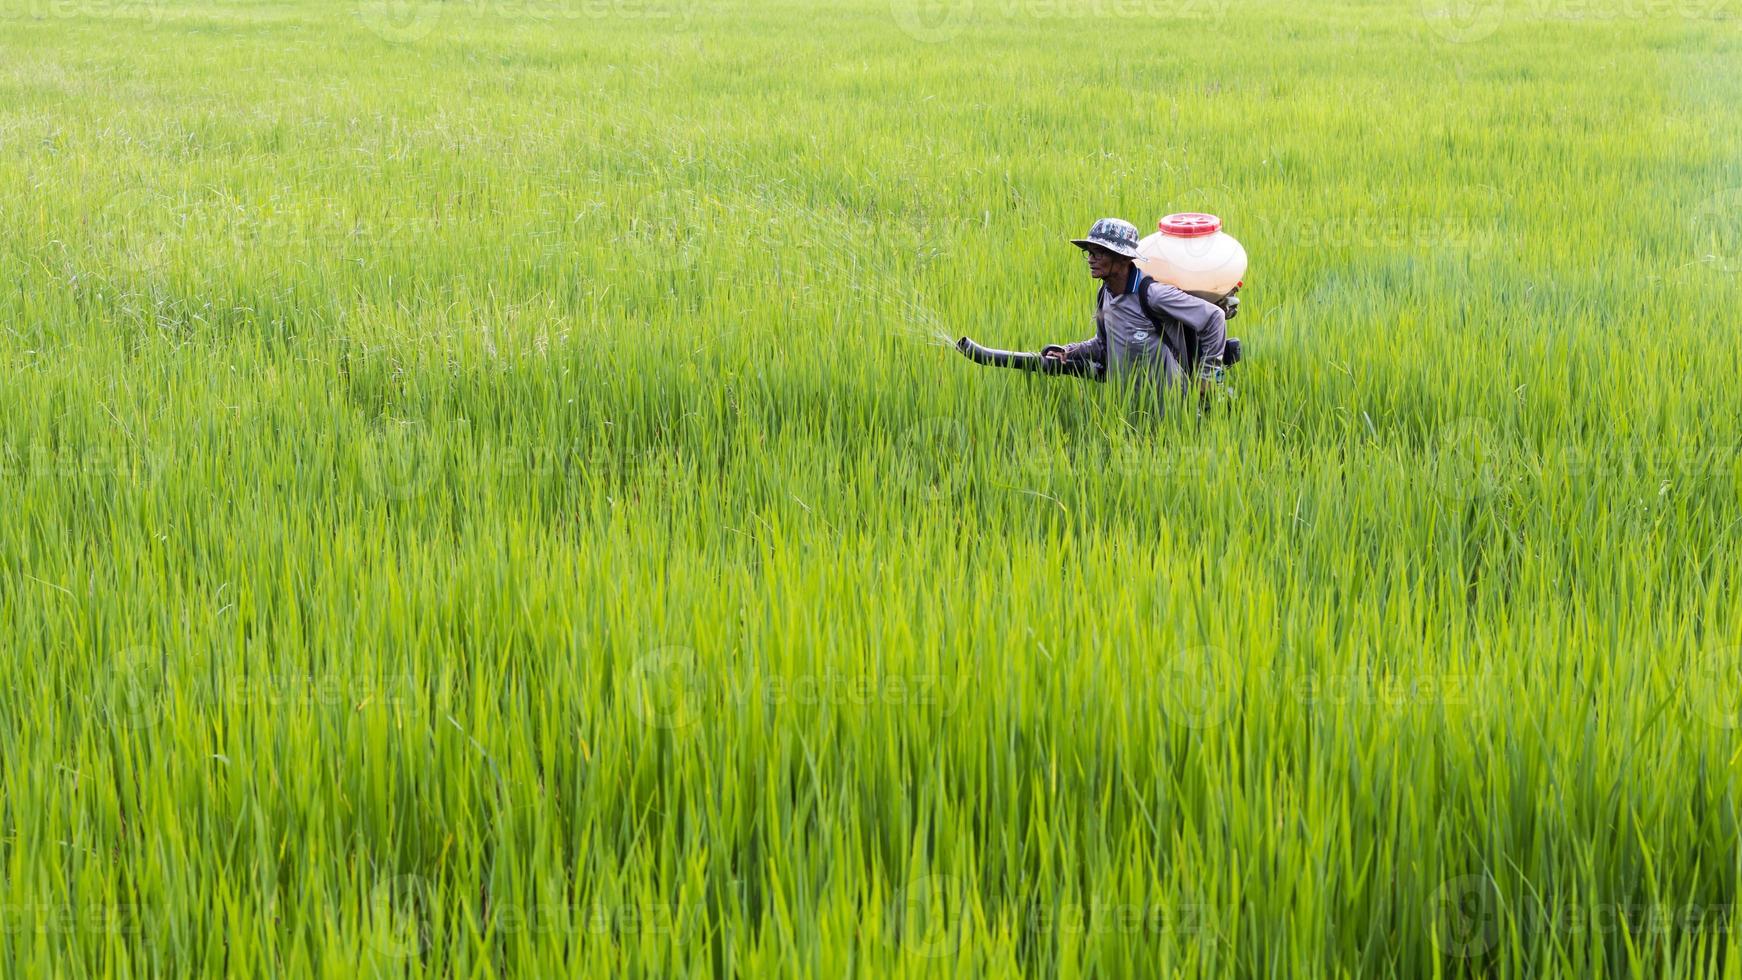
1189 224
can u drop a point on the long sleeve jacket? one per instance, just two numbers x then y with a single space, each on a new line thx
1186 335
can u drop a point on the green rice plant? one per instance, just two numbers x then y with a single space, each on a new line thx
485 490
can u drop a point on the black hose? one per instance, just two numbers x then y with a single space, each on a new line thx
1025 360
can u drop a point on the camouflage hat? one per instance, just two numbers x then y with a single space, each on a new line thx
1114 235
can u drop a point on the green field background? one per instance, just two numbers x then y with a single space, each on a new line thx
485 489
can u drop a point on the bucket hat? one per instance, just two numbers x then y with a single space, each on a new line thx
1113 234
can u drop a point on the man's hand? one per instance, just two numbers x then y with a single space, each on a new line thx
1209 385
1055 352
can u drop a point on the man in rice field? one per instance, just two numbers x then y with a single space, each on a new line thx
1145 329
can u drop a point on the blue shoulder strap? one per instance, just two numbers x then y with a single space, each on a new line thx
1143 281
1161 322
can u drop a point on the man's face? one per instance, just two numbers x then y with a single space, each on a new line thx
1101 261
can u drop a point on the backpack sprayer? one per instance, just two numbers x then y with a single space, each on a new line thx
1189 251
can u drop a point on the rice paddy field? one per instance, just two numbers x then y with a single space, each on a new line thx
485 490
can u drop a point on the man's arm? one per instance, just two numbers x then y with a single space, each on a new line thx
1083 350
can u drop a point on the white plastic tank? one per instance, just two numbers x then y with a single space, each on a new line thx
1192 251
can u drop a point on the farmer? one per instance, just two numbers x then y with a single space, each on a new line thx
1143 328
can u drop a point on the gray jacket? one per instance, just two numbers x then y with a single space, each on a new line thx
1186 336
